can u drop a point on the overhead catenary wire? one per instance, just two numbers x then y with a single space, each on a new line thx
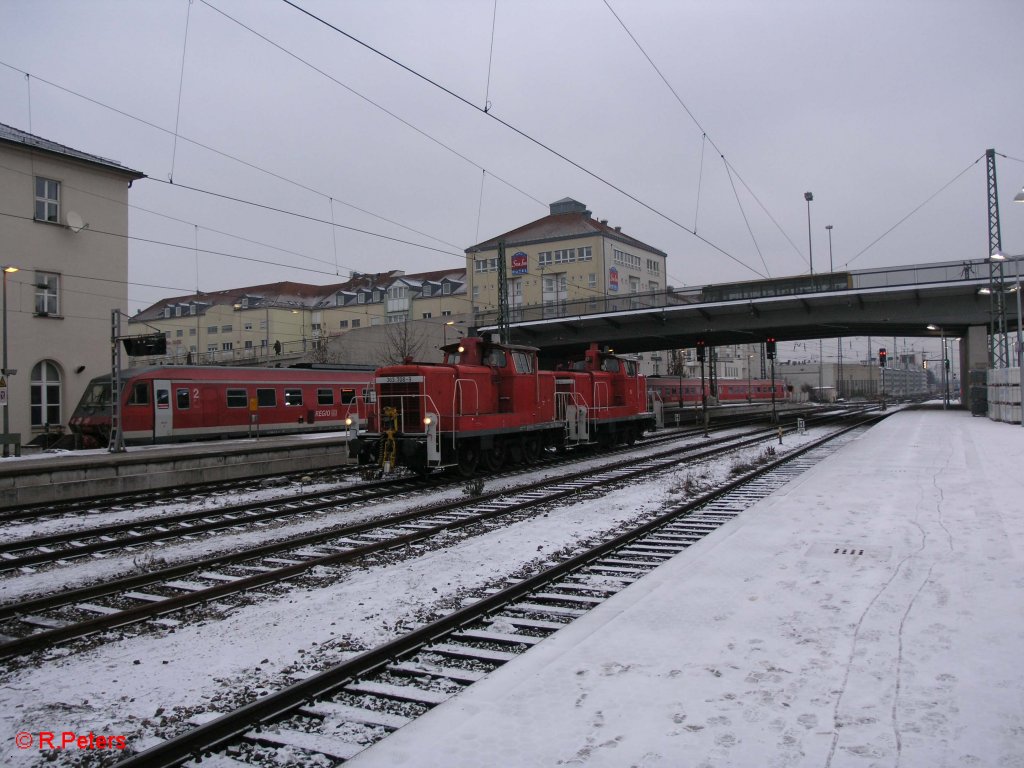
874 242
369 101
745 219
520 132
181 88
225 155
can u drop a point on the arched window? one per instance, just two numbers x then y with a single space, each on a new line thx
46 388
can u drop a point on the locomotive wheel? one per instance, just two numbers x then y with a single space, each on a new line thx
531 449
631 434
495 457
516 452
469 457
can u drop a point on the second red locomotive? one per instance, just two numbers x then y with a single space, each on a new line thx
489 404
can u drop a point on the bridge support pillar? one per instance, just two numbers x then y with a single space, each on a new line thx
973 356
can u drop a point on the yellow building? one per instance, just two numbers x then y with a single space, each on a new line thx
565 263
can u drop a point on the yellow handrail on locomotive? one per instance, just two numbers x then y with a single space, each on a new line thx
388 448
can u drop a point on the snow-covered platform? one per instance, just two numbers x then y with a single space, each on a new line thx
871 613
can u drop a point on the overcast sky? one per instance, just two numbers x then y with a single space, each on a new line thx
874 105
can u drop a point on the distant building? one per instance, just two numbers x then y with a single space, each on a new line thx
64 228
566 259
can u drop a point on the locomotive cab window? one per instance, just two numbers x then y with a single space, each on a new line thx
181 398
630 367
139 394
266 398
523 362
325 397
610 364
293 397
238 398
496 358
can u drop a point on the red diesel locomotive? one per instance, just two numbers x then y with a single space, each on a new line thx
489 404
179 403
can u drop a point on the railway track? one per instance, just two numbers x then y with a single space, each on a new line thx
39 623
69 545
339 712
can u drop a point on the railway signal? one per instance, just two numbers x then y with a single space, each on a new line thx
769 347
881 357
700 350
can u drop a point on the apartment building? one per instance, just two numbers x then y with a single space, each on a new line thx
64 228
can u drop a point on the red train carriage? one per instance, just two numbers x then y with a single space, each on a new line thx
179 403
672 390
604 398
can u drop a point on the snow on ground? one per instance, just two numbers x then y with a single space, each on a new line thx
763 646
134 685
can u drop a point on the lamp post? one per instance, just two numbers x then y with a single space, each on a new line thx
945 364
7 270
808 196
839 341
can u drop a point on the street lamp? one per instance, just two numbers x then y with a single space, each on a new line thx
808 196
945 363
7 407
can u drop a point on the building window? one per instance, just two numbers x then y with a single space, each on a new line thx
446 313
355 323
263 324
446 289
653 266
427 315
211 347
191 331
627 259
476 293
47 293
179 333
248 325
584 254
227 346
592 281
343 323
46 386
226 329
566 256
47 200
212 329
248 343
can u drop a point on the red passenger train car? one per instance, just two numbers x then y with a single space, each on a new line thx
489 404
180 403
672 390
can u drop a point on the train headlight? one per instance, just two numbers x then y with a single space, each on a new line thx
348 422
427 421
461 349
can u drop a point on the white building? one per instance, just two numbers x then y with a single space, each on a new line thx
63 229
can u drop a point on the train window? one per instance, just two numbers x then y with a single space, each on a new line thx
522 361
346 396
630 367
139 394
266 398
181 398
496 357
163 398
610 364
238 398
325 397
293 397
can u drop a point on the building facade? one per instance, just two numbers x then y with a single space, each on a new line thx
565 263
64 231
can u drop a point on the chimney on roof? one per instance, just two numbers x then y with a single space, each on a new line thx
604 222
618 229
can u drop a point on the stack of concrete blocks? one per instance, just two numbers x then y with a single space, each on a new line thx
1004 395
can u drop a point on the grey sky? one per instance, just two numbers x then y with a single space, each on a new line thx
874 106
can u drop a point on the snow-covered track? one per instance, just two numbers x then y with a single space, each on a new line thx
380 690
39 623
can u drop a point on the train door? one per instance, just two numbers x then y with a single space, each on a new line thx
162 414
